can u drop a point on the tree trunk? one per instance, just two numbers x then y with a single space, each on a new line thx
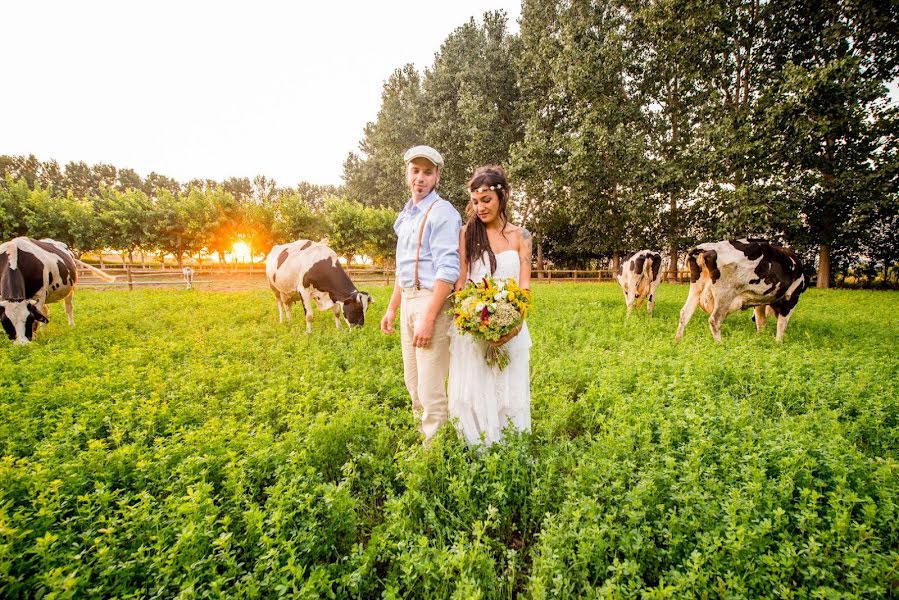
101 260
616 261
179 260
143 260
124 264
539 254
672 265
131 258
824 267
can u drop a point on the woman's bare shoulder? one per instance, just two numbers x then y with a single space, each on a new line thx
518 231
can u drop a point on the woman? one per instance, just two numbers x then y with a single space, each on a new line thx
484 400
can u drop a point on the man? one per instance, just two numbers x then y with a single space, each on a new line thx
427 266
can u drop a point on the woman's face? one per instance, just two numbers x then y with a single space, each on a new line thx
485 203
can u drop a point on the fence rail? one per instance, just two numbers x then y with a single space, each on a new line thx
137 276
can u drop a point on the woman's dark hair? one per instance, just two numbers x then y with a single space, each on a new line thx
476 242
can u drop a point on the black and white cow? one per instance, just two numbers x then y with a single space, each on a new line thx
639 277
33 274
732 275
188 274
307 270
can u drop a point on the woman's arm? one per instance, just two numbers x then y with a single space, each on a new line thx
524 257
463 264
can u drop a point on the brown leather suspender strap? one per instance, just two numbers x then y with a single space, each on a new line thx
421 233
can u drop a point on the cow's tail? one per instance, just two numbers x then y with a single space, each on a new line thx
647 267
102 275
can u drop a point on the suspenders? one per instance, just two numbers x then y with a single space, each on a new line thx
421 233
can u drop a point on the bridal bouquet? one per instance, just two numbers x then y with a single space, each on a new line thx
490 309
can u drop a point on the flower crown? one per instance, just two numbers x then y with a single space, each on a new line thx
495 187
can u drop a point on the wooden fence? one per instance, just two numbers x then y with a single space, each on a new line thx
132 277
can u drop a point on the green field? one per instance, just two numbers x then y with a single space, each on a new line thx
184 444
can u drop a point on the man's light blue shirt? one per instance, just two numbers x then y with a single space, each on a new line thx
439 256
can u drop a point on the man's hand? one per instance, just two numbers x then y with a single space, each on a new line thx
387 321
424 331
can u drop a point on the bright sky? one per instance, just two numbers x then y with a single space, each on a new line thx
211 89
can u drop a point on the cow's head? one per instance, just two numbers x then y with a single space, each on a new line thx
19 318
354 307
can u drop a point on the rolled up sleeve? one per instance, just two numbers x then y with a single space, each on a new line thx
444 243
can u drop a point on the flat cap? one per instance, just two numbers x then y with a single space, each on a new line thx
423 152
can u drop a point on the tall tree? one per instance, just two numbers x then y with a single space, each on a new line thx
471 101
375 177
829 116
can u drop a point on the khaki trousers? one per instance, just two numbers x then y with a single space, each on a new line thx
425 369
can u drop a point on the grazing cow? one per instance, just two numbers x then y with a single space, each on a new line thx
306 270
639 276
33 274
731 275
188 275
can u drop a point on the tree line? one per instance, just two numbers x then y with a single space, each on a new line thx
664 123
97 207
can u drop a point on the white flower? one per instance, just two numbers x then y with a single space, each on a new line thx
492 307
498 296
479 306
500 284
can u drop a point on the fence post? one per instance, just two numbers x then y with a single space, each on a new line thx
130 280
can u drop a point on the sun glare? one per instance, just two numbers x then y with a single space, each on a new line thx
241 252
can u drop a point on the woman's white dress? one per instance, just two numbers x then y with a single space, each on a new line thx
484 400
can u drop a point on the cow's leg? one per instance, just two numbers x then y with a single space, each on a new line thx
68 304
279 304
760 316
782 320
686 313
288 308
650 301
336 310
719 313
307 308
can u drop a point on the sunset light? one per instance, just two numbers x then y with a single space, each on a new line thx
241 252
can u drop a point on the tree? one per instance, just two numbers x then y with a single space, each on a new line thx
348 227
180 222
297 219
471 102
126 220
222 223
80 179
14 199
380 242
375 178
829 117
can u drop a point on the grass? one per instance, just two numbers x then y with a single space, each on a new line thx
179 443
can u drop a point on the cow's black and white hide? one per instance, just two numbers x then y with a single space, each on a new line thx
306 270
33 274
732 275
639 277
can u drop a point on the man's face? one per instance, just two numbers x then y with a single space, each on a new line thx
421 176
